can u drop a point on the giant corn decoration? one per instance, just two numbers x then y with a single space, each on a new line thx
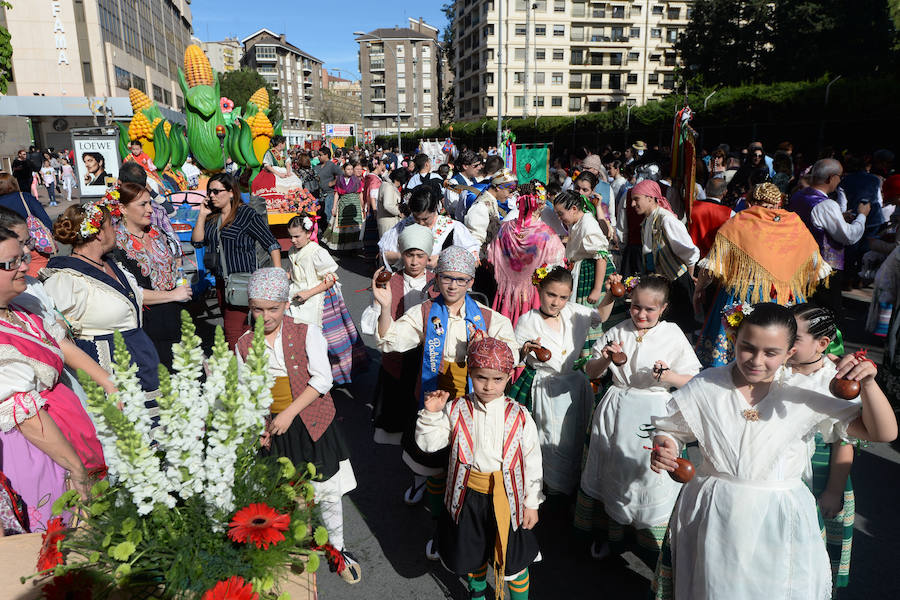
260 98
201 94
143 128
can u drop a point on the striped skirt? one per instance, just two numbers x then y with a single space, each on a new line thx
346 351
838 532
345 229
520 391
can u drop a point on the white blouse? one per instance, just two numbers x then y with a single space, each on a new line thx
433 434
414 294
586 239
675 231
316 355
480 216
443 226
309 265
92 307
564 345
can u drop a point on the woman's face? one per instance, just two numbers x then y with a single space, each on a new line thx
759 351
299 237
807 348
568 216
647 306
425 218
613 171
138 212
24 236
91 164
348 170
358 170
12 283
643 205
554 296
218 194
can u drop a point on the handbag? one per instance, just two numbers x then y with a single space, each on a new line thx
235 283
43 239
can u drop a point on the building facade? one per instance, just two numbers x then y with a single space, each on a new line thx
341 99
225 55
294 75
402 76
88 51
564 57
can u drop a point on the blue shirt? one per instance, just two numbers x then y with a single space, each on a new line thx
13 202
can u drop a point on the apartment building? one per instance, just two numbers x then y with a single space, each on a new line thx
402 76
224 55
294 75
564 57
341 99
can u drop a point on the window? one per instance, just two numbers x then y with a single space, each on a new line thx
265 53
656 33
658 9
672 35
636 10
519 54
596 58
488 101
575 103
559 54
633 56
670 60
123 78
618 12
653 78
634 32
139 83
520 29
669 81
578 10
556 101
598 11
179 102
426 120
86 73
540 54
539 5
615 58
673 14
597 34
655 57
539 77
577 34
615 81
556 78
559 31
577 57
519 101
521 6
538 101
632 78
596 81
575 81
401 49
559 6
518 77
157 93
488 78
488 30
618 34
540 30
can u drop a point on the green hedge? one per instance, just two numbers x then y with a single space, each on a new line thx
858 110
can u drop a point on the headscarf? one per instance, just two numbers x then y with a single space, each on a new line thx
648 187
269 283
456 259
418 237
489 353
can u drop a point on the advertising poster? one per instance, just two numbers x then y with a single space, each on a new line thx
96 163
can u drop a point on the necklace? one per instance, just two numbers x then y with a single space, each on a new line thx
811 362
136 236
541 310
643 332
90 260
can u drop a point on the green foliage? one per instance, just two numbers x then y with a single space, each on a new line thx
6 52
238 86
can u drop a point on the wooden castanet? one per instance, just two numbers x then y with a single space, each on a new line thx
846 389
383 278
684 472
542 354
618 358
617 289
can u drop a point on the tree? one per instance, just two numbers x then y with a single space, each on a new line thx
338 108
238 86
5 54
447 110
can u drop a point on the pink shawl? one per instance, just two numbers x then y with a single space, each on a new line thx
521 246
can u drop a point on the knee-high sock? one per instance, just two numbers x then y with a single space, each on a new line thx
518 587
328 497
434 492
478 581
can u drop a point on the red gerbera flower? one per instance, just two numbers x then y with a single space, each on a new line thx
260 524
233 588
50 556
74 585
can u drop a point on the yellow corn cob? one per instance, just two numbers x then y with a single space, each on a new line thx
153 127
260 98
139 100
167 127
140 127
197 70
260 125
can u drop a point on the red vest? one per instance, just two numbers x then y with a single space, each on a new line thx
320 413
706 218
392 362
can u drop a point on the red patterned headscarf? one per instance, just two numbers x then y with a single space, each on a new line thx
489 353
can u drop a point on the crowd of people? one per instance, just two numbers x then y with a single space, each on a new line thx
569 341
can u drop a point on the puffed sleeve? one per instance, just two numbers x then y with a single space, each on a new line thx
534 470
317 354
323 262
594 242
19 397
477 221
70 297
680 240
673 425
433 429
404 334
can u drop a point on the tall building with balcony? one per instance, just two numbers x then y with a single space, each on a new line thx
402 77
564 57
294 75
225 55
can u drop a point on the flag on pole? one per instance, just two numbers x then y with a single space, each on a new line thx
533 163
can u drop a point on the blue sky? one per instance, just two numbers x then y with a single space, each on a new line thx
323 29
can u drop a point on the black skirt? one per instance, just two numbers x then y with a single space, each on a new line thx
395 406
162 322
466 546
326 453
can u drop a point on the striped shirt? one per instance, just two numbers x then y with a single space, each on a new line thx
239 239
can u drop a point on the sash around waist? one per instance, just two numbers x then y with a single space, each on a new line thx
96 334
784 484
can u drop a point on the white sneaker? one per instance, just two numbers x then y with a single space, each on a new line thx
415 492
431 552
599 551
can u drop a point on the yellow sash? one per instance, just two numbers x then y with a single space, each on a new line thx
281 395
453 379
492 484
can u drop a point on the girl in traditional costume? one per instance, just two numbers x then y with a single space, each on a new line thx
667 249
832 457
315 301
443 327
495 465
521 246
278 163
745 526
560 397
302 426
616 478
345 230
762 254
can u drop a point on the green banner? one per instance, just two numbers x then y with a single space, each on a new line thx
533 163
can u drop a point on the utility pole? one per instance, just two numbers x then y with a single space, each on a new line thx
500 73
527 55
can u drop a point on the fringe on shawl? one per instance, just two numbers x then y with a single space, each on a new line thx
728 262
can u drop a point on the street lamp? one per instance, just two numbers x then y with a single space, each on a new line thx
396 82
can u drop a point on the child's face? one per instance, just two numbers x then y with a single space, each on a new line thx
759 351
136 149
489 384
299 237
554 296
348 170
647 307
453 285
414 262
272 313
568 216
807 348
643 205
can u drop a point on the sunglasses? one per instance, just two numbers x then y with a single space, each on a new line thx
14 264
214 191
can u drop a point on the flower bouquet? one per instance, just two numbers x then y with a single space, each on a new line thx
190 509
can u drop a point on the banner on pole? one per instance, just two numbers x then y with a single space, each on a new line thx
533 163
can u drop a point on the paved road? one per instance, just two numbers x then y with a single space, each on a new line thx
388 537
